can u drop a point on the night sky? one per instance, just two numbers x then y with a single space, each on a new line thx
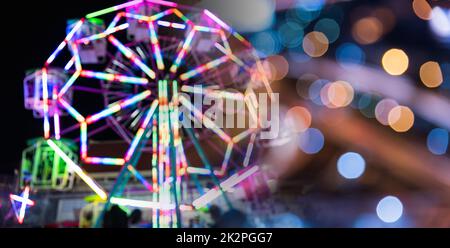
31 31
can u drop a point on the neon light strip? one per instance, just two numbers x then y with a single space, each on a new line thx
140 178
217 20
166 3
207 122
183 51
71 110
161 14
228 28
249 149
112 9
74 167
69 64
83 140
146 204
227 158
23 207
133 57
225 41
227 185
64 43
212 92
113 77
242 135
104 161
22 199
103 34
56 115
202 171
45 99
117 106
171 24
141 130
203 68
69 83
115 21
77 57
207 29
265 80
182 17
232 56
155 44
138 17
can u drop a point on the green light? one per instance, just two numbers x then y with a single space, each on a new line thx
100 12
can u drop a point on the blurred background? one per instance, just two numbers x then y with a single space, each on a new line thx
365 107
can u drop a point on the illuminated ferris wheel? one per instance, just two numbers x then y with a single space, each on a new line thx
130 72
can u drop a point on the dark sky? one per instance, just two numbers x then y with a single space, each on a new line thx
30 33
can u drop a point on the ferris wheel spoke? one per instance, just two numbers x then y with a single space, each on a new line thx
102 35
114 77
132 56
210 65
208 123
156 47
182 53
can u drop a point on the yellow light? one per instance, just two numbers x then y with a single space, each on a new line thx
401 118
422 9
367 30
395 62
340 94
337 94
431 74
315 44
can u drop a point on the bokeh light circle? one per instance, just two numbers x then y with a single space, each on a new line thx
311 141
422 9
276 67
315 44
298 119
431 74
291 34
337 94
349 54
395 62
266 43
367 30
389 209
351 165
329 27
401 118
383 109
437 141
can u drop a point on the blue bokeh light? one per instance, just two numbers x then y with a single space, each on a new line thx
351 165
437 141
348 54
329 27
390 209
445 68
290 34
314 91
266 43
311 141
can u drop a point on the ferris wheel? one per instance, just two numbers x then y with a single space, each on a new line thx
130 72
